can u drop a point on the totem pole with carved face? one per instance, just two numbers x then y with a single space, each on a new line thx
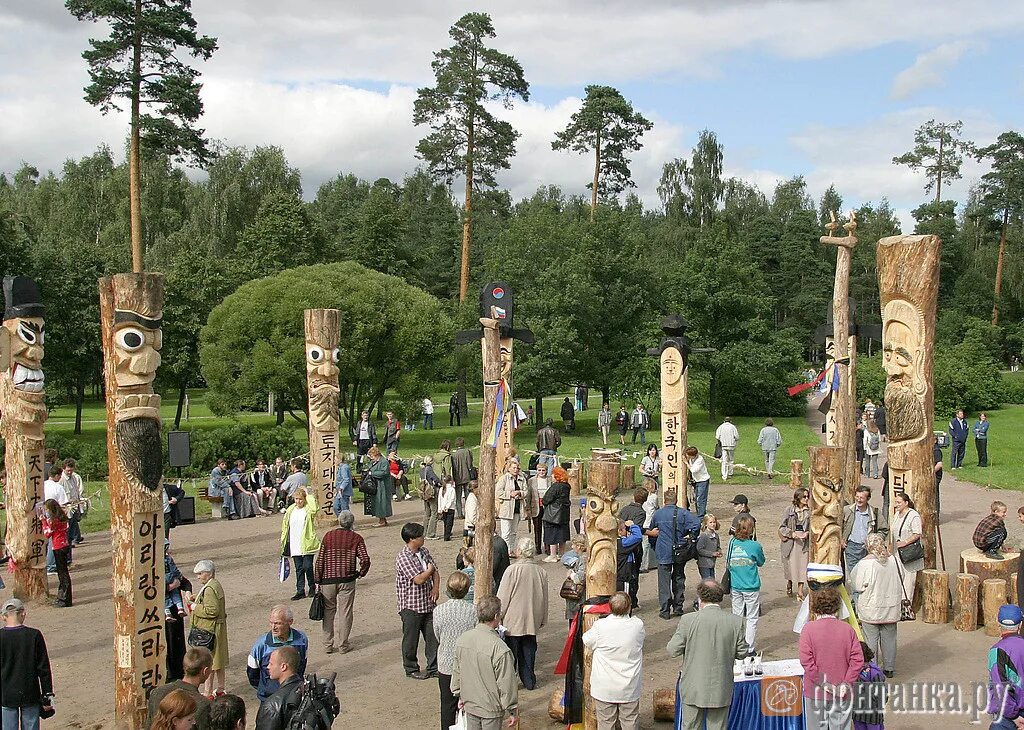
22 415
131 309
602 529
908 284
322 336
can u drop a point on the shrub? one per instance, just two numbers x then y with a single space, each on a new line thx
242 441
1013 389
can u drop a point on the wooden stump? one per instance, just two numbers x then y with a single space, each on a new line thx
966 614
629 476
934 588
556 710
796 473
1011 597
974 561
604 469
575 479
665 705
993 597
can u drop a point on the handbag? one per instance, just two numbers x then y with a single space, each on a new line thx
368 485
316 607
727 576
906 605
284 569
912 552
202 638
686 550
571 590
718 449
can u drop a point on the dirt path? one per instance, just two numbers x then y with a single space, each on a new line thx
371 684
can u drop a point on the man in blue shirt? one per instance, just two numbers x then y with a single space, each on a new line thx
281 634
220 486
672 526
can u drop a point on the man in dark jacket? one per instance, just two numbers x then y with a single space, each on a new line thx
24 669
568 414
548 441
958 431
462 473
454 414
197 667
276 712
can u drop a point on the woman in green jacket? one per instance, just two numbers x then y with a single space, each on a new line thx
209 612
299 540
379 504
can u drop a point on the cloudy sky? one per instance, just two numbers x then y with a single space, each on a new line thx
829 90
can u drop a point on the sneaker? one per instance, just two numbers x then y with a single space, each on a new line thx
550 559
994 554
408 497
283 510
418 675
395 498
433 537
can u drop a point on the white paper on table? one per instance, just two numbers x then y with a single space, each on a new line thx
777 668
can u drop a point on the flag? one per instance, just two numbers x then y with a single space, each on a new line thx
794 390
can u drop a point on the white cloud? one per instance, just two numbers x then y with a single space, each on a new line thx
928 69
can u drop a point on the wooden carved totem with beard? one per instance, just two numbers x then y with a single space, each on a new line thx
131 309
22 415
908 284
322 337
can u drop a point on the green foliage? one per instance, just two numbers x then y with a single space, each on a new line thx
280 237
607 126
1013 388
159 32
870 378
1002 187
393 336
243 441
466 137
939 151
966 377
693 190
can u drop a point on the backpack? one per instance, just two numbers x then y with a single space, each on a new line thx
427 489
873 440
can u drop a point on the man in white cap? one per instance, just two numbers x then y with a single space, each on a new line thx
24 670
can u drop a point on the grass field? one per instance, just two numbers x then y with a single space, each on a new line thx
1005 447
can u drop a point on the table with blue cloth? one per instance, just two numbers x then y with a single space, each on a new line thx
745 711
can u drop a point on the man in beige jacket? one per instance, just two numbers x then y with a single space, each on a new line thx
514 500
484 672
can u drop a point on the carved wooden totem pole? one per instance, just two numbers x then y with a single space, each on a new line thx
22 415
908 284
674 353
483 581
322 338
844 354
601 517
826 502
507 442
131 309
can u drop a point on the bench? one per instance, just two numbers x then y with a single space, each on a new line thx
203 493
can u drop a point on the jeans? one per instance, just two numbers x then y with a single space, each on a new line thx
51 561
303 572
749 604
671 586
430 517
74 528
854 553
706 573
524 649
229 502
547 456
63 557
643 434
428 421
956 454
702 497
882 640
342 501
21 718
997 724
728 458
769 461
413 625
995 539
982 446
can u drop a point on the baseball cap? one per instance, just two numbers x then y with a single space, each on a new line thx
739 499
12 604
1010 616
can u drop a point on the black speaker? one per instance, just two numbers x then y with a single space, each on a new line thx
179 450
187 510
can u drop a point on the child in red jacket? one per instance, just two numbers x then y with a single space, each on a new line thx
55 527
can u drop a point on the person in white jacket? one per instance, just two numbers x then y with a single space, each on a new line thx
446 507
617 643
876 582
728 435
469 526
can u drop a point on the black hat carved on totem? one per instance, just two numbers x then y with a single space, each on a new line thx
22 298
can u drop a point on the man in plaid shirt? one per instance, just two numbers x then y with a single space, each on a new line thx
990 534
417 584
335 572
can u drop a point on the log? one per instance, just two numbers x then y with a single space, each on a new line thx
22 415
908 285
322 333
483 581
975 562
665 705
796 473
1011 597
131 313
575 479
965 616
556 707
993 597
934 589
826 504
604 470
629 477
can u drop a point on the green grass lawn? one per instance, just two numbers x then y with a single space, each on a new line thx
1004 449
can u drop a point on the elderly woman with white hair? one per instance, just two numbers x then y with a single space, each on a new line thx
524 597
879 590
209 613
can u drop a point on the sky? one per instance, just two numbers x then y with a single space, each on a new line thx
827 89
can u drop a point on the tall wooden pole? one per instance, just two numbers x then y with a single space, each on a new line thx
483 581
131 310
845 399
674 376
908 284
601 517
507 443
22 415
826 503
322 337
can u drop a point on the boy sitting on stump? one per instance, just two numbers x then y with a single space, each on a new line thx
990 534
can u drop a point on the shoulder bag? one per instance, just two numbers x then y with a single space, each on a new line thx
684 550
201 637
912 552
906 605
316 606
571 590
727 576
718 449
368 485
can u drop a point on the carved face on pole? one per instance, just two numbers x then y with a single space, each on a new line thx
322 375
903 357
826 519
672 365
21 354
136 342
602 527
